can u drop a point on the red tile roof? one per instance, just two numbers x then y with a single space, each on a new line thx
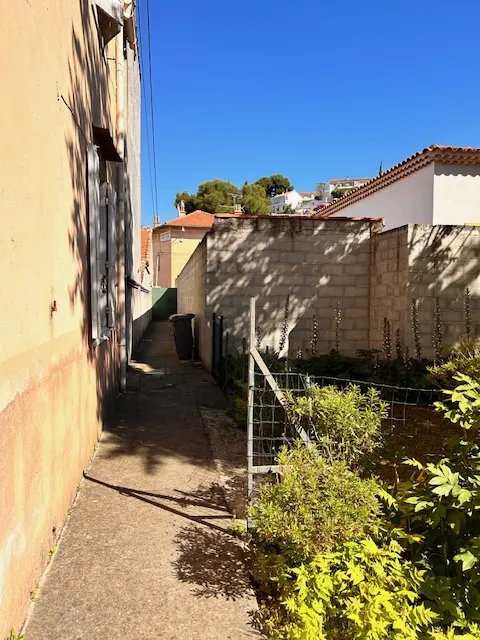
434 153
199 219
349 180
289 216
146 236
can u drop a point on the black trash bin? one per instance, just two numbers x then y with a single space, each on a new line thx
182 330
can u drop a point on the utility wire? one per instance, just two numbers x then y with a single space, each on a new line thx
151 106
144 100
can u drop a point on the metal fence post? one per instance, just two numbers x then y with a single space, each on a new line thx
220 350
214 322
251 391
225 372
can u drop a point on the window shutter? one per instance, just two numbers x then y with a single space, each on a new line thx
94 234
112 257
102 262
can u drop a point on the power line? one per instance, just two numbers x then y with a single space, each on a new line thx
144 100
151 106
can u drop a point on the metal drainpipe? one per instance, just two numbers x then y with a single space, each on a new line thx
121 210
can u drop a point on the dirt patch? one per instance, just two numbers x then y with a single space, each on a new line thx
421 436
229 447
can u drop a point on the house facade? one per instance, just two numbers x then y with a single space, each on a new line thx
346 184
77 304
173 244
439 185
299 201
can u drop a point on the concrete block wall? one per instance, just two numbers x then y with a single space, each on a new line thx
191 298
442 262
319 263
316 263
388 286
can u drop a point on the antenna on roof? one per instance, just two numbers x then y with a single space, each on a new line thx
234 197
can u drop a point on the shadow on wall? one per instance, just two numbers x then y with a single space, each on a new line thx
309 264
89 103
300 270
164 303
443 263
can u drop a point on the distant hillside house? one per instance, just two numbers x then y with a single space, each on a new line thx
296 199
439 185
174 242
346 184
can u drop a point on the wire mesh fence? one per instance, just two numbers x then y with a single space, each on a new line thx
268 426
272 430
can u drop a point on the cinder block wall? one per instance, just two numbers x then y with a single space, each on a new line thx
316 263
388 286
319 263
191 298
442 262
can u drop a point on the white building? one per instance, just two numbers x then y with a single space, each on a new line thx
439 185
298 200
346 184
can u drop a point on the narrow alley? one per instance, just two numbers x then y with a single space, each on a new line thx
145 554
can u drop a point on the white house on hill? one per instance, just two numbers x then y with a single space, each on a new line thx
439 185
298 200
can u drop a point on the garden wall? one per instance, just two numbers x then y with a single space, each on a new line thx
442 262
389 285
312 262
191 298
318 263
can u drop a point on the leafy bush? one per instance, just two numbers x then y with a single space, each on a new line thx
358 591
345 423
367 366
239 406
465 359
439 513
316 505
467 632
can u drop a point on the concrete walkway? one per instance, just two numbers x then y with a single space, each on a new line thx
145 554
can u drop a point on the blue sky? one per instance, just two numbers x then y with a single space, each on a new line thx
314 90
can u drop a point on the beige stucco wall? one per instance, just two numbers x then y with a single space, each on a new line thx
456 194
172 255
409 200
139 302
55 388
191 298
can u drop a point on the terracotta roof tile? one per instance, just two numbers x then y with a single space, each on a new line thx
349 180
197 218
146 235
434 153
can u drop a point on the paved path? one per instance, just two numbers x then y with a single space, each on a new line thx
145 554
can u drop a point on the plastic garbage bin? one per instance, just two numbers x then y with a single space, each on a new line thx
182 330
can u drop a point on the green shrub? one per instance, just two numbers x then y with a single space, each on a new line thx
467 632
438 510
464 359
239 406
316 505
367 366
359 591
346 423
